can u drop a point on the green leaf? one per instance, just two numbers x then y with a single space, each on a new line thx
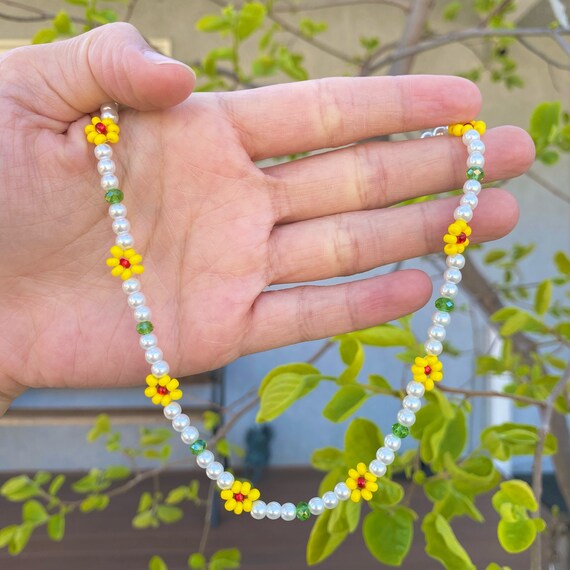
543 297
250 19
225 559
345 518
42 477
332 478
562 263
514 324
94 503
494 255
352 355
516 492
211 420
44 36
34 512
327 458
176 495
223 447
388 534
115 472
543 123
386 335
77 2
264 65
548 157
451 11
157 563
145 502
169 514
6 534
197 561
299 368
489 364
56 484
495 566
508 439
516 536
56 527
389 494
102 425
20 538
361 440
62 23
282 391
323 543
442 544
475 475
19 488
212 23
379 382
310 28
345 402
155 436
143 520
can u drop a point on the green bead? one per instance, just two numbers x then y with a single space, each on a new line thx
400 431
445 304
303 511
475 173
145 327
198 446
114 196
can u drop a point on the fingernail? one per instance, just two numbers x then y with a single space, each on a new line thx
161 59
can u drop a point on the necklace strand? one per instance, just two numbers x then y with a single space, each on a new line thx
162 389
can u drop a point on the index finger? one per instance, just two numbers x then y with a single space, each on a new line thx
326 113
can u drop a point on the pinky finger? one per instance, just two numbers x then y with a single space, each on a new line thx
311 312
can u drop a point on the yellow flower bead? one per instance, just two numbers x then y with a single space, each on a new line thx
240 497
362 483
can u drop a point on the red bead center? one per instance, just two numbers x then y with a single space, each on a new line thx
101 128
461 238
427 370
239 497
361 482
162 390
124 262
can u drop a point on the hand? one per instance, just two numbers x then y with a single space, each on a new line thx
214 229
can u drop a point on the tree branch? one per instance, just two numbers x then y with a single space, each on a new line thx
542 55
405 6
547 185
462 35
492 394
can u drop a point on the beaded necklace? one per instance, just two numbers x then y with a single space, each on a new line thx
163 390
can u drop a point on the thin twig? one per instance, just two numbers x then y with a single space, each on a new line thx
547 185
227 426
207 518
493 394
405 6
542 55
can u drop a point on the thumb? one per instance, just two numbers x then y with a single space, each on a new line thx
68 79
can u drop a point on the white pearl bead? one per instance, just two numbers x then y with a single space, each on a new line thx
406 417
125 241
441 318
475 160
110 115
147 341
189 435
172 410
142 313
476 145
153 355
385 455
330 500
131 285
121 226
412 403
214 470
456 260
273 510
112 106
258 510
453 275
103 151
316 506
392 442
377 468
109 181
449 290
342 491
117 210
470 199
433 347
288 512
473 186
416 389
180 422
135 300
464 213
436 332
469 136
160 368
204 459
106 166
225 480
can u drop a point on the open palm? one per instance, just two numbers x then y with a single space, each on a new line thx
213 227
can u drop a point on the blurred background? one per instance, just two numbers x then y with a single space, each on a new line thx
518 52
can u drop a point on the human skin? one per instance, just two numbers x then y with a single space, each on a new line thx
214 228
